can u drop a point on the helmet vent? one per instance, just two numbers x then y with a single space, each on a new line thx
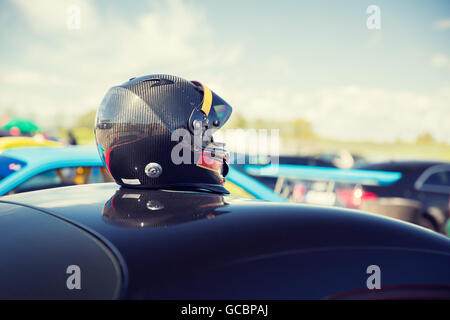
158 82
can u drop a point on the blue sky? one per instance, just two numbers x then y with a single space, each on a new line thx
270 59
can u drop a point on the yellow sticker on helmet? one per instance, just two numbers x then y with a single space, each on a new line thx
207 100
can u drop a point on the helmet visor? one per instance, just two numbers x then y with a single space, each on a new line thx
213 109
220 111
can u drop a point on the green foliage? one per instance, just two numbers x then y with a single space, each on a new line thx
83 130
294 129
302 129
84 135
425 138
298 134
86 120
236 121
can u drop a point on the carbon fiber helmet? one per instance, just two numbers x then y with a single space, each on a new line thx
155 132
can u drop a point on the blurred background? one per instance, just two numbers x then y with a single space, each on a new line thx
345 84
312 69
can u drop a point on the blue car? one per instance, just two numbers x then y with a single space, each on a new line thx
35 168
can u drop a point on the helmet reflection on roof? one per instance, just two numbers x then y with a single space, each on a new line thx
160 208
156 132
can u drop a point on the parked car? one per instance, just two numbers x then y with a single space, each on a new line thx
427 182
100 241
28 169
18 142
317 185
400 186
243 185
34 168
285 160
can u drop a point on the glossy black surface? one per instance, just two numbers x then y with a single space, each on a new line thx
202 245
156 208
35 251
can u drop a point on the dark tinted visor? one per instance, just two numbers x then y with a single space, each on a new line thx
217 110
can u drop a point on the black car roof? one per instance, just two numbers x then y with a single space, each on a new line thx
178 245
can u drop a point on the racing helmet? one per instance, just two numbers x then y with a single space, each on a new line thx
156 132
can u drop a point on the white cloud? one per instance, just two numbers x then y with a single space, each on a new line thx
170 33
354 112
62 71
442 24
27 78
440 61
51 16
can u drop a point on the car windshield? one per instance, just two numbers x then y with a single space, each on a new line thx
9 165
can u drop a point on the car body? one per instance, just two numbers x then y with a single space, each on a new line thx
427 182
34 168
283 159
162 244
386 188
17 142
317 185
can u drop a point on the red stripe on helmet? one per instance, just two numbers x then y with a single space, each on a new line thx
207 162
107 160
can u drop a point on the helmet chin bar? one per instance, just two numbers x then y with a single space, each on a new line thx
204 141
212 150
